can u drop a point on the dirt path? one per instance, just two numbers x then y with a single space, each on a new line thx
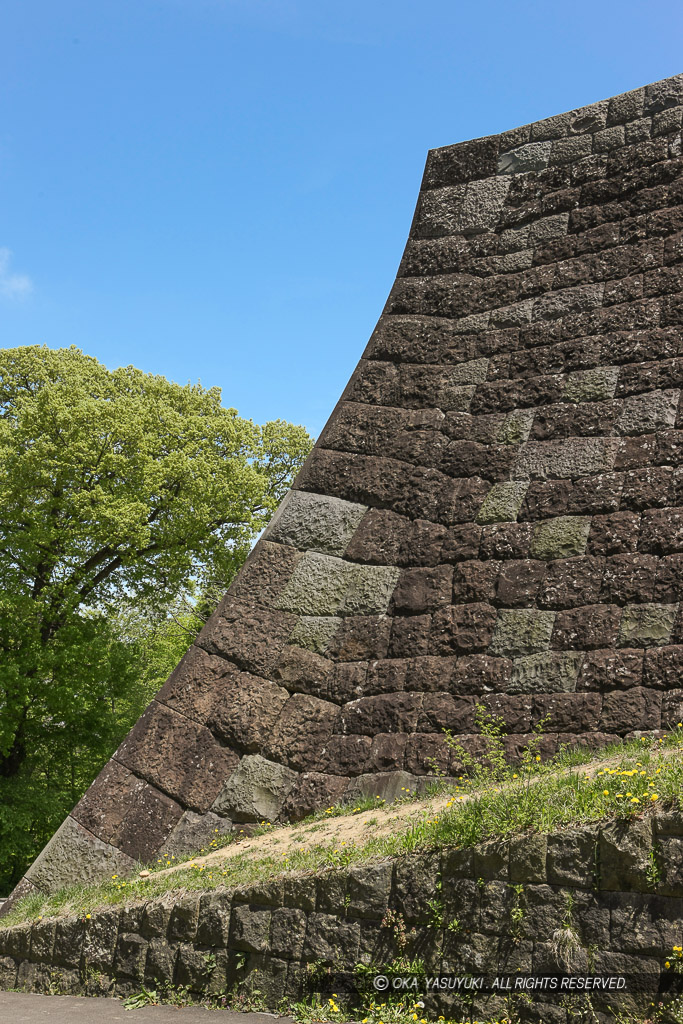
352 829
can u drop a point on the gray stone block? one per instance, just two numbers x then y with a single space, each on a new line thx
288 930
193 832
323 585
249 928
643 414
315 632
595 385
74 855
562 537
213 928
516 427
472 372
521 631
332 941
503 502
369 887
255 791
531 157
315 522
646 625
550 672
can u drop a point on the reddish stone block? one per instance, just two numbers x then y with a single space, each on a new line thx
311 792
614 534
636 709
661 531
629 578
178 756
387 676
130 814
250 637
651 487
420 544
461 543
443 711
347 755
570 582
426 754
506 540
387 752
429 674
387 712
568 712
595 495
634 452
545 498
196 683
247 711
463 629
516 711
410 636
519 583
349 680
360 638
605 669
481 673
663 667
301 671
377 539
422 590
475 581
586 628
301 732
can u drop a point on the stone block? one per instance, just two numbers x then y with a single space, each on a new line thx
461 629
255 791
563 537
182 925
643 414
315 522
213 927
587 627
369 888
249 636
315 632
527 859
423 590
311 792
201 971
503 502
193 832
647 625
415 883
546 672
288 931
331 940
624 850
624 711
572 858
481 205
567 459
516 427
472 372
669 861
131 952
250 928
594 385
532 156
249 708
99 941
521 631
649 923
42 941
302 732
74 856
178 756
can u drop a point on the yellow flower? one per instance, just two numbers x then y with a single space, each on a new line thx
88 916
654 796
605 792
667 964
635 800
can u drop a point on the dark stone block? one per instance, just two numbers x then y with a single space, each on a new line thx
178 756
463 629
627 710
422 590
313 791
586 628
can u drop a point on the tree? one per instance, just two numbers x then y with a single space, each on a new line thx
119 490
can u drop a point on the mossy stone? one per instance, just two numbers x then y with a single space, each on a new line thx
521 631
503 502
646 625
596 385
562 537
314 632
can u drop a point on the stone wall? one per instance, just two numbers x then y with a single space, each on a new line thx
493 514
495 908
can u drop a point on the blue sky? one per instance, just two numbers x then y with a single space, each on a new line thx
221 189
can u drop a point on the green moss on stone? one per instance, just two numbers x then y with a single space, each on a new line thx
522 631
591 385
503 502
563 537
646 625
314 632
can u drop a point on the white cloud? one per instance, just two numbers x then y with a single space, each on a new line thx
12 286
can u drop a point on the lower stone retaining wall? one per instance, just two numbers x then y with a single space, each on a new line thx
609 896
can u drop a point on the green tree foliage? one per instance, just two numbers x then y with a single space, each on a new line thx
121 494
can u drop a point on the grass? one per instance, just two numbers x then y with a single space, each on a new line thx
496 802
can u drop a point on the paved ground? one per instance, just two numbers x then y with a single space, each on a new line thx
17 1008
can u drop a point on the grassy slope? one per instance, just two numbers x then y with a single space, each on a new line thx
495 802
